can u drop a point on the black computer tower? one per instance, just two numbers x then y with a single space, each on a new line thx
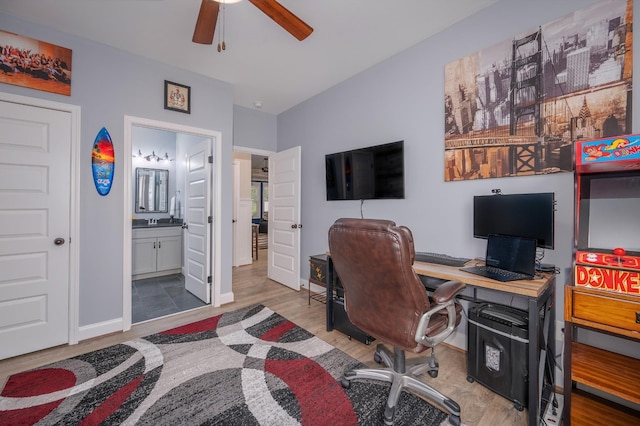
342 324
497 350
340 319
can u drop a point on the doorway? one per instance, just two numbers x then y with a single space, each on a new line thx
250 200
206 233
284 226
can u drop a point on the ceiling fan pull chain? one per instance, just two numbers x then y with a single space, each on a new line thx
224 26
219 48
220 24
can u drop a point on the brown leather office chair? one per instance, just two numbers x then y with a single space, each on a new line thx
385 298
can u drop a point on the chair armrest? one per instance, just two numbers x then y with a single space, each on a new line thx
447 291
444 297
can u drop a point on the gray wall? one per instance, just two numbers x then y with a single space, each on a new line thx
254 129
109 84
403 98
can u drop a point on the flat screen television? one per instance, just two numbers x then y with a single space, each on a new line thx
374 172
520 215
608 212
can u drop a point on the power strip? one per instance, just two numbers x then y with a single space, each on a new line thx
553 415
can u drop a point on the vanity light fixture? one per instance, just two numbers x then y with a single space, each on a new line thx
153 156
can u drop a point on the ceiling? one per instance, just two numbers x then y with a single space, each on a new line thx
263 62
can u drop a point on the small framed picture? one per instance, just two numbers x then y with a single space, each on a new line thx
177 97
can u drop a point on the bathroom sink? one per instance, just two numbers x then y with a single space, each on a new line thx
144 224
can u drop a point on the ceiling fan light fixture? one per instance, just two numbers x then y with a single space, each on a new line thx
228 1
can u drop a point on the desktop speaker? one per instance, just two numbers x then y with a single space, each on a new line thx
497 350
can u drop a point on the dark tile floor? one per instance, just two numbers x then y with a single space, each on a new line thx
157 297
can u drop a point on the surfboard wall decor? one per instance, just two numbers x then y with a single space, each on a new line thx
102 162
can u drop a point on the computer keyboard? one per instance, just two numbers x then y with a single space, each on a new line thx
506 274
441 259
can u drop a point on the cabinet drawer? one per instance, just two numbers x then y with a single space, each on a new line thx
151 232
612 310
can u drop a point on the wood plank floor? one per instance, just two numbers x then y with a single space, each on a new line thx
479 406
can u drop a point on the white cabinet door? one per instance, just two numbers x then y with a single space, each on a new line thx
143 254
169 253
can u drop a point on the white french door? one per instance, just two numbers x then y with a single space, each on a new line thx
198 229
284 217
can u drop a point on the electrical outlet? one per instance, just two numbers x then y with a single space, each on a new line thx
553 415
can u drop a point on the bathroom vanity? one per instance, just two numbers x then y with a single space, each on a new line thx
156 250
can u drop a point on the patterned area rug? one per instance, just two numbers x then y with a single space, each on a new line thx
247 367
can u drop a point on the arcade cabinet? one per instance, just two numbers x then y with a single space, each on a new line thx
602 299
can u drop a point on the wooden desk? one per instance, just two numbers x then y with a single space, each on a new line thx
527 288
540 299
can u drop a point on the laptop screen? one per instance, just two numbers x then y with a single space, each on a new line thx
516 254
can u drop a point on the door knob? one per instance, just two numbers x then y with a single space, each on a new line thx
294 226
58 241
185 226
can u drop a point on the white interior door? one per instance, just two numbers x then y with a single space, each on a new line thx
197 214
237 253
284 217
242 244
35 181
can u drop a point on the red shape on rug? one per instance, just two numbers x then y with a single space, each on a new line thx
111 404
274 334
35 383
38 382
28 416
208 324
321 398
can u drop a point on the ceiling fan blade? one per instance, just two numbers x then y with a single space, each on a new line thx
283 17
206 23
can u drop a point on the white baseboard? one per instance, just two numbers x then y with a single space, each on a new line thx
100 329
315 288
225 298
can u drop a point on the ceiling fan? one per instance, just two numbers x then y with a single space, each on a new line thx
208 16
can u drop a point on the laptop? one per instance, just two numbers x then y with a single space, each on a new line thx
508 259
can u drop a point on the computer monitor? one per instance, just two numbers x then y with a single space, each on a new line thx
519 215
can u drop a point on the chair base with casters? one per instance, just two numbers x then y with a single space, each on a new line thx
402 378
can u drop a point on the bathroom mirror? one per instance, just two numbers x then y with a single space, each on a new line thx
152 190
